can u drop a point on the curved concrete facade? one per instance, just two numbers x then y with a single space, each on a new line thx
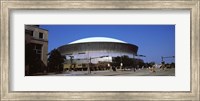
110 47
97 49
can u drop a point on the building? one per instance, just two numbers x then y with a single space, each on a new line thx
38 38
95 50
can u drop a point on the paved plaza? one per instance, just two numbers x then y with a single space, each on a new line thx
139 72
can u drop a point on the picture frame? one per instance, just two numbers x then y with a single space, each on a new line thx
8 6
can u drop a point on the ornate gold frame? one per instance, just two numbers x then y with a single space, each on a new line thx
8 5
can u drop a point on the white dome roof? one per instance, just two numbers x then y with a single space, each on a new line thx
97 39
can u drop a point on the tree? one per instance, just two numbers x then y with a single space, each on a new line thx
172 65
139 62
152 63
127 62
116 61
55 61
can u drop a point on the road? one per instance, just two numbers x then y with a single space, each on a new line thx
141 72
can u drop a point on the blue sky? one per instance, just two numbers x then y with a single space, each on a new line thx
153 41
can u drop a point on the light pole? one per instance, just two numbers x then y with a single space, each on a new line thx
80 59
89 58
163 62
121 64
71 60
140 58
89 71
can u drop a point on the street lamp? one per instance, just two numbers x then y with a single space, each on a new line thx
140 55
71 60
89 71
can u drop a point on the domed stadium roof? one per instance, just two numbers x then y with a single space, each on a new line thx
97 39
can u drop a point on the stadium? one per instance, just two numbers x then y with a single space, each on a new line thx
95 52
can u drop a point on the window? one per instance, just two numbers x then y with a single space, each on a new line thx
29 32
37 49
41 35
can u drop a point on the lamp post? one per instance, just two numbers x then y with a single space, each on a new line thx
89 71
163 62
121 64
80 59
140 58
71 60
